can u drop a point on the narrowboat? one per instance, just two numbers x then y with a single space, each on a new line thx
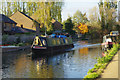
108 41
44 45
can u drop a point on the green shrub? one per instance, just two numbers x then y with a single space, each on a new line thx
18 40
100 71
19 44
92 75
102 60
92 70
4 39
97 66
103 66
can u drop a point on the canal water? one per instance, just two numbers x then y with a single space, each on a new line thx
74 63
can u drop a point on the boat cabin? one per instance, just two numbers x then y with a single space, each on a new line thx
49 41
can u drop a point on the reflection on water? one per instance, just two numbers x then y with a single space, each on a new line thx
72 64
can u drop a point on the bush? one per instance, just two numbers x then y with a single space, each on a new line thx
92 70
91 75
19 44
103 66
4 39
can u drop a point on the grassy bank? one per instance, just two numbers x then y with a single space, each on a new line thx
102 63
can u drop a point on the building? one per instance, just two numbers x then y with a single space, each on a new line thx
7 24
25 21
56 25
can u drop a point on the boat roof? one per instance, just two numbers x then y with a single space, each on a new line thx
110 35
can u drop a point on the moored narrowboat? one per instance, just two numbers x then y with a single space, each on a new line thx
43 45
108 41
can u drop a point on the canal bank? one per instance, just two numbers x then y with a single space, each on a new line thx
14 48
111 70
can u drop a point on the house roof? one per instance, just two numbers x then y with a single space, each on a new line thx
56 22
25 20
6 19
28 17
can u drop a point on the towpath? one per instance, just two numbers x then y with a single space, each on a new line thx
111 72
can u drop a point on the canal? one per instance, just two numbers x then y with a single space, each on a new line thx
74 63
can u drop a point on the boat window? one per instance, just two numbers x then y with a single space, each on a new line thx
66 41
37 41
53 42
43 41
62 41
58 41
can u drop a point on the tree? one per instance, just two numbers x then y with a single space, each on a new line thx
83 28
9 12
23 8
1 8
14 7
94 22
107 10
34 7
46 11
78 18
69 26
29 8
4 8
18 6
37 25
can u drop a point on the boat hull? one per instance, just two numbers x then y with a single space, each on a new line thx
52 49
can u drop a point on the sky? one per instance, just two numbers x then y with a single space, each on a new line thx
71 6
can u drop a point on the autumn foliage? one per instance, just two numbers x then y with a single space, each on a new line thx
83 28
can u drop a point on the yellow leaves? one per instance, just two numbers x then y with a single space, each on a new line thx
83 28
